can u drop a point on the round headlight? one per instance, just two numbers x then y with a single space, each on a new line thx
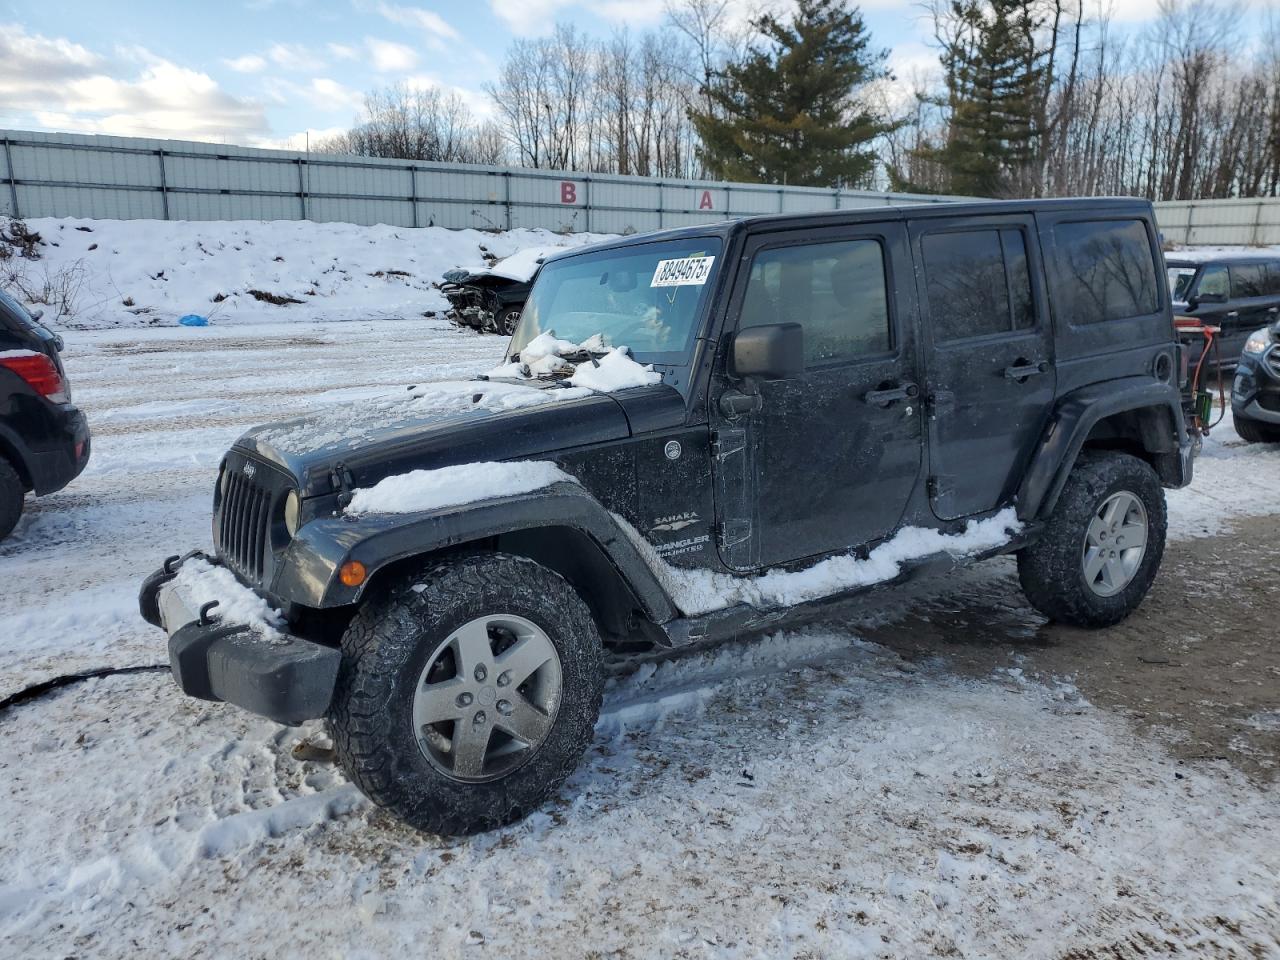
224 478
292 511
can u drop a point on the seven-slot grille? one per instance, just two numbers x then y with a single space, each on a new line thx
244 518
1272 359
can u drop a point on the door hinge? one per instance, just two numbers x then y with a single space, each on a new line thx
727 443
731 532
939 486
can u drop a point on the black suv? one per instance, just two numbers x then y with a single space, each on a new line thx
697 434
44 439
1237 293
1255 393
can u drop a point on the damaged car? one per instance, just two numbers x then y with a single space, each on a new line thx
490 300
693 435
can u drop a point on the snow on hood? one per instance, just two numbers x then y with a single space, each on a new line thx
522 264
545 354
358 422
422 490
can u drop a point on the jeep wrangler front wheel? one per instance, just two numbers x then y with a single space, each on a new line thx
1099 552
467 692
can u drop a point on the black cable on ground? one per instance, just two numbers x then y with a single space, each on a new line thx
46 686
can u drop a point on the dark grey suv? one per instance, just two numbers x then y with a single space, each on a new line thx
696 434
1238 293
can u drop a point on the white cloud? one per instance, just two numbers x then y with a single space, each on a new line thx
480 105
61 84
300 140
295 57
322 93
426 20
249 63
389 57
538 17
343 51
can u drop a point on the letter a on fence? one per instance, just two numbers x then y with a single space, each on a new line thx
705 202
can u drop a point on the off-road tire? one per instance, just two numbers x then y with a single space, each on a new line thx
12 493
384 652
1052 570
1251 431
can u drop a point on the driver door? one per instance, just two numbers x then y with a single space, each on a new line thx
827 461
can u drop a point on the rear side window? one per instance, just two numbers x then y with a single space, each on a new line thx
1108 271
1248 280
1273 279
978 283
836 291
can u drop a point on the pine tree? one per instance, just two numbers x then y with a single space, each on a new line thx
994 83
789 112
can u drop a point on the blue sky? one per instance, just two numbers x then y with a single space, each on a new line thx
261 72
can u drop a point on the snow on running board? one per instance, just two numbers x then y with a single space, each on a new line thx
421 490
701 591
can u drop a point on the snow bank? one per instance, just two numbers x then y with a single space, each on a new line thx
700 591
203 582
421 490
614 371
151 272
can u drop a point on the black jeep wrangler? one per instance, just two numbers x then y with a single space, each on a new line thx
697 434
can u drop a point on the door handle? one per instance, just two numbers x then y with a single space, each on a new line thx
1022 369
1234 313
891 395
1273 309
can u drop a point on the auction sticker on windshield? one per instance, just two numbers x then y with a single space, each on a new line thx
685 272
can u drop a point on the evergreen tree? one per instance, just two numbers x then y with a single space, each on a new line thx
994 84
789 112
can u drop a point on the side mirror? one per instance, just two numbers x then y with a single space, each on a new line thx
771 352
58 343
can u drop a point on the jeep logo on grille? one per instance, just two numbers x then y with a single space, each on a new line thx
250 469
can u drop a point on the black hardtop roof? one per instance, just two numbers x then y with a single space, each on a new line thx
854 215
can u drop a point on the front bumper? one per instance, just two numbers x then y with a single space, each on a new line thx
1255 391
289 680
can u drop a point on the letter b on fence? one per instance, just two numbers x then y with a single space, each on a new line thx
568 191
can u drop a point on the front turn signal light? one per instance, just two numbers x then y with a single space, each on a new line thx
352 573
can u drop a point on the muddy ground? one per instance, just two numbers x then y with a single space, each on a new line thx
1198 666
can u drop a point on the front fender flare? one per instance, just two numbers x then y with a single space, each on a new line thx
1076 414
308 575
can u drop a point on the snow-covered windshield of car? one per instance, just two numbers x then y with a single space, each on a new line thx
1180 282
648 298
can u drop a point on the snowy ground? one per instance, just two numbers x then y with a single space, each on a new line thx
808 794
125 273
827 792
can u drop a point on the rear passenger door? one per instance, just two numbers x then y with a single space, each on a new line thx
988 357
1251 307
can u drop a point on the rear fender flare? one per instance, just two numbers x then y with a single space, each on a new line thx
308 575
1074 417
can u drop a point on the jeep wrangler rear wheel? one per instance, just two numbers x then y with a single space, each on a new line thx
467 692
1098 554
11 497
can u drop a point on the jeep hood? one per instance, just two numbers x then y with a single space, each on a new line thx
435 425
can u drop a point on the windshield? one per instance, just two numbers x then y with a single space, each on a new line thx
1180 282
646 297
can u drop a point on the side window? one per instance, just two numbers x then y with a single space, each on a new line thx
1213 282
1273 278
1108 270
978 283
1248 280
836 291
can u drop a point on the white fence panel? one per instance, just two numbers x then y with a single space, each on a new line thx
73 175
